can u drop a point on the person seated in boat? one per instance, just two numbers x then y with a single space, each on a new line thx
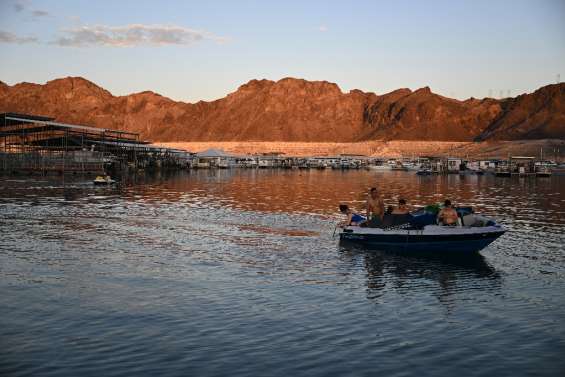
375 208
448 215
402 208
352 217
387 217
397 216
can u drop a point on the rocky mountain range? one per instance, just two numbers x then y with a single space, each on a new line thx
296 110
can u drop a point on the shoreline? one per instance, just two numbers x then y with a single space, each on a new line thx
553 149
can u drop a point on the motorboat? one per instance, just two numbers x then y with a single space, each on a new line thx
399 166
543 169
411 165
425 171
502 172
419 232
543 173
380 167
103 180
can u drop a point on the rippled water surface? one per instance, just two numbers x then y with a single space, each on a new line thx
217 273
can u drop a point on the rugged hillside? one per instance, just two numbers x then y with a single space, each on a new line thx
537 115
295 110
423 115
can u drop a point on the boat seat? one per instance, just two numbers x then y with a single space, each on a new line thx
476 221
469 220
420 221
396 220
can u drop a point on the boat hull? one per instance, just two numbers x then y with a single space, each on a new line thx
449 240
104 182
424 172
379 167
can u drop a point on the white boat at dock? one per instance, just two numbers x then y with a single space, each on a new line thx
103 180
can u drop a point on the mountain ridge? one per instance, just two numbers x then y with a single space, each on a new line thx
293 109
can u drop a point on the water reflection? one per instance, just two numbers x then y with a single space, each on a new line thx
312 191
218 263
406 272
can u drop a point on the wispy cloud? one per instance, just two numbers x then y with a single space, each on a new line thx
39 13
7 37
19 6
322 28
132 35
24 6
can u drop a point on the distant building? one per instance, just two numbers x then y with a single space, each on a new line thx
214 158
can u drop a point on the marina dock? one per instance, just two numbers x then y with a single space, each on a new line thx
39 145
32 144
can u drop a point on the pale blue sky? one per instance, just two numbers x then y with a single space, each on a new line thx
190 50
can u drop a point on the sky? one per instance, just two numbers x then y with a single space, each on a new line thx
203 50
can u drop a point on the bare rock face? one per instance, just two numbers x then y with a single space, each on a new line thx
3 88
287 110
294 110
539 115
423 115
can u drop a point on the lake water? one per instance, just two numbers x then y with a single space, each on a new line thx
236 272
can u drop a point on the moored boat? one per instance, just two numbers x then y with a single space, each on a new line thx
399 166
102 180
543 169
543 174
502 172
424 172
379 167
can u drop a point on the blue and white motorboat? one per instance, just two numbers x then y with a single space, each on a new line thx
473 233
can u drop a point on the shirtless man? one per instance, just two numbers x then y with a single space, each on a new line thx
447 216
375 207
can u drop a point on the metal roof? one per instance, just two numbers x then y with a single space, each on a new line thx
25 116
137 146
213 153
64 125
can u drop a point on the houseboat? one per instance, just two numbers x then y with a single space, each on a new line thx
522 166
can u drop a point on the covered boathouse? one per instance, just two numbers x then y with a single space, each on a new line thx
37 144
